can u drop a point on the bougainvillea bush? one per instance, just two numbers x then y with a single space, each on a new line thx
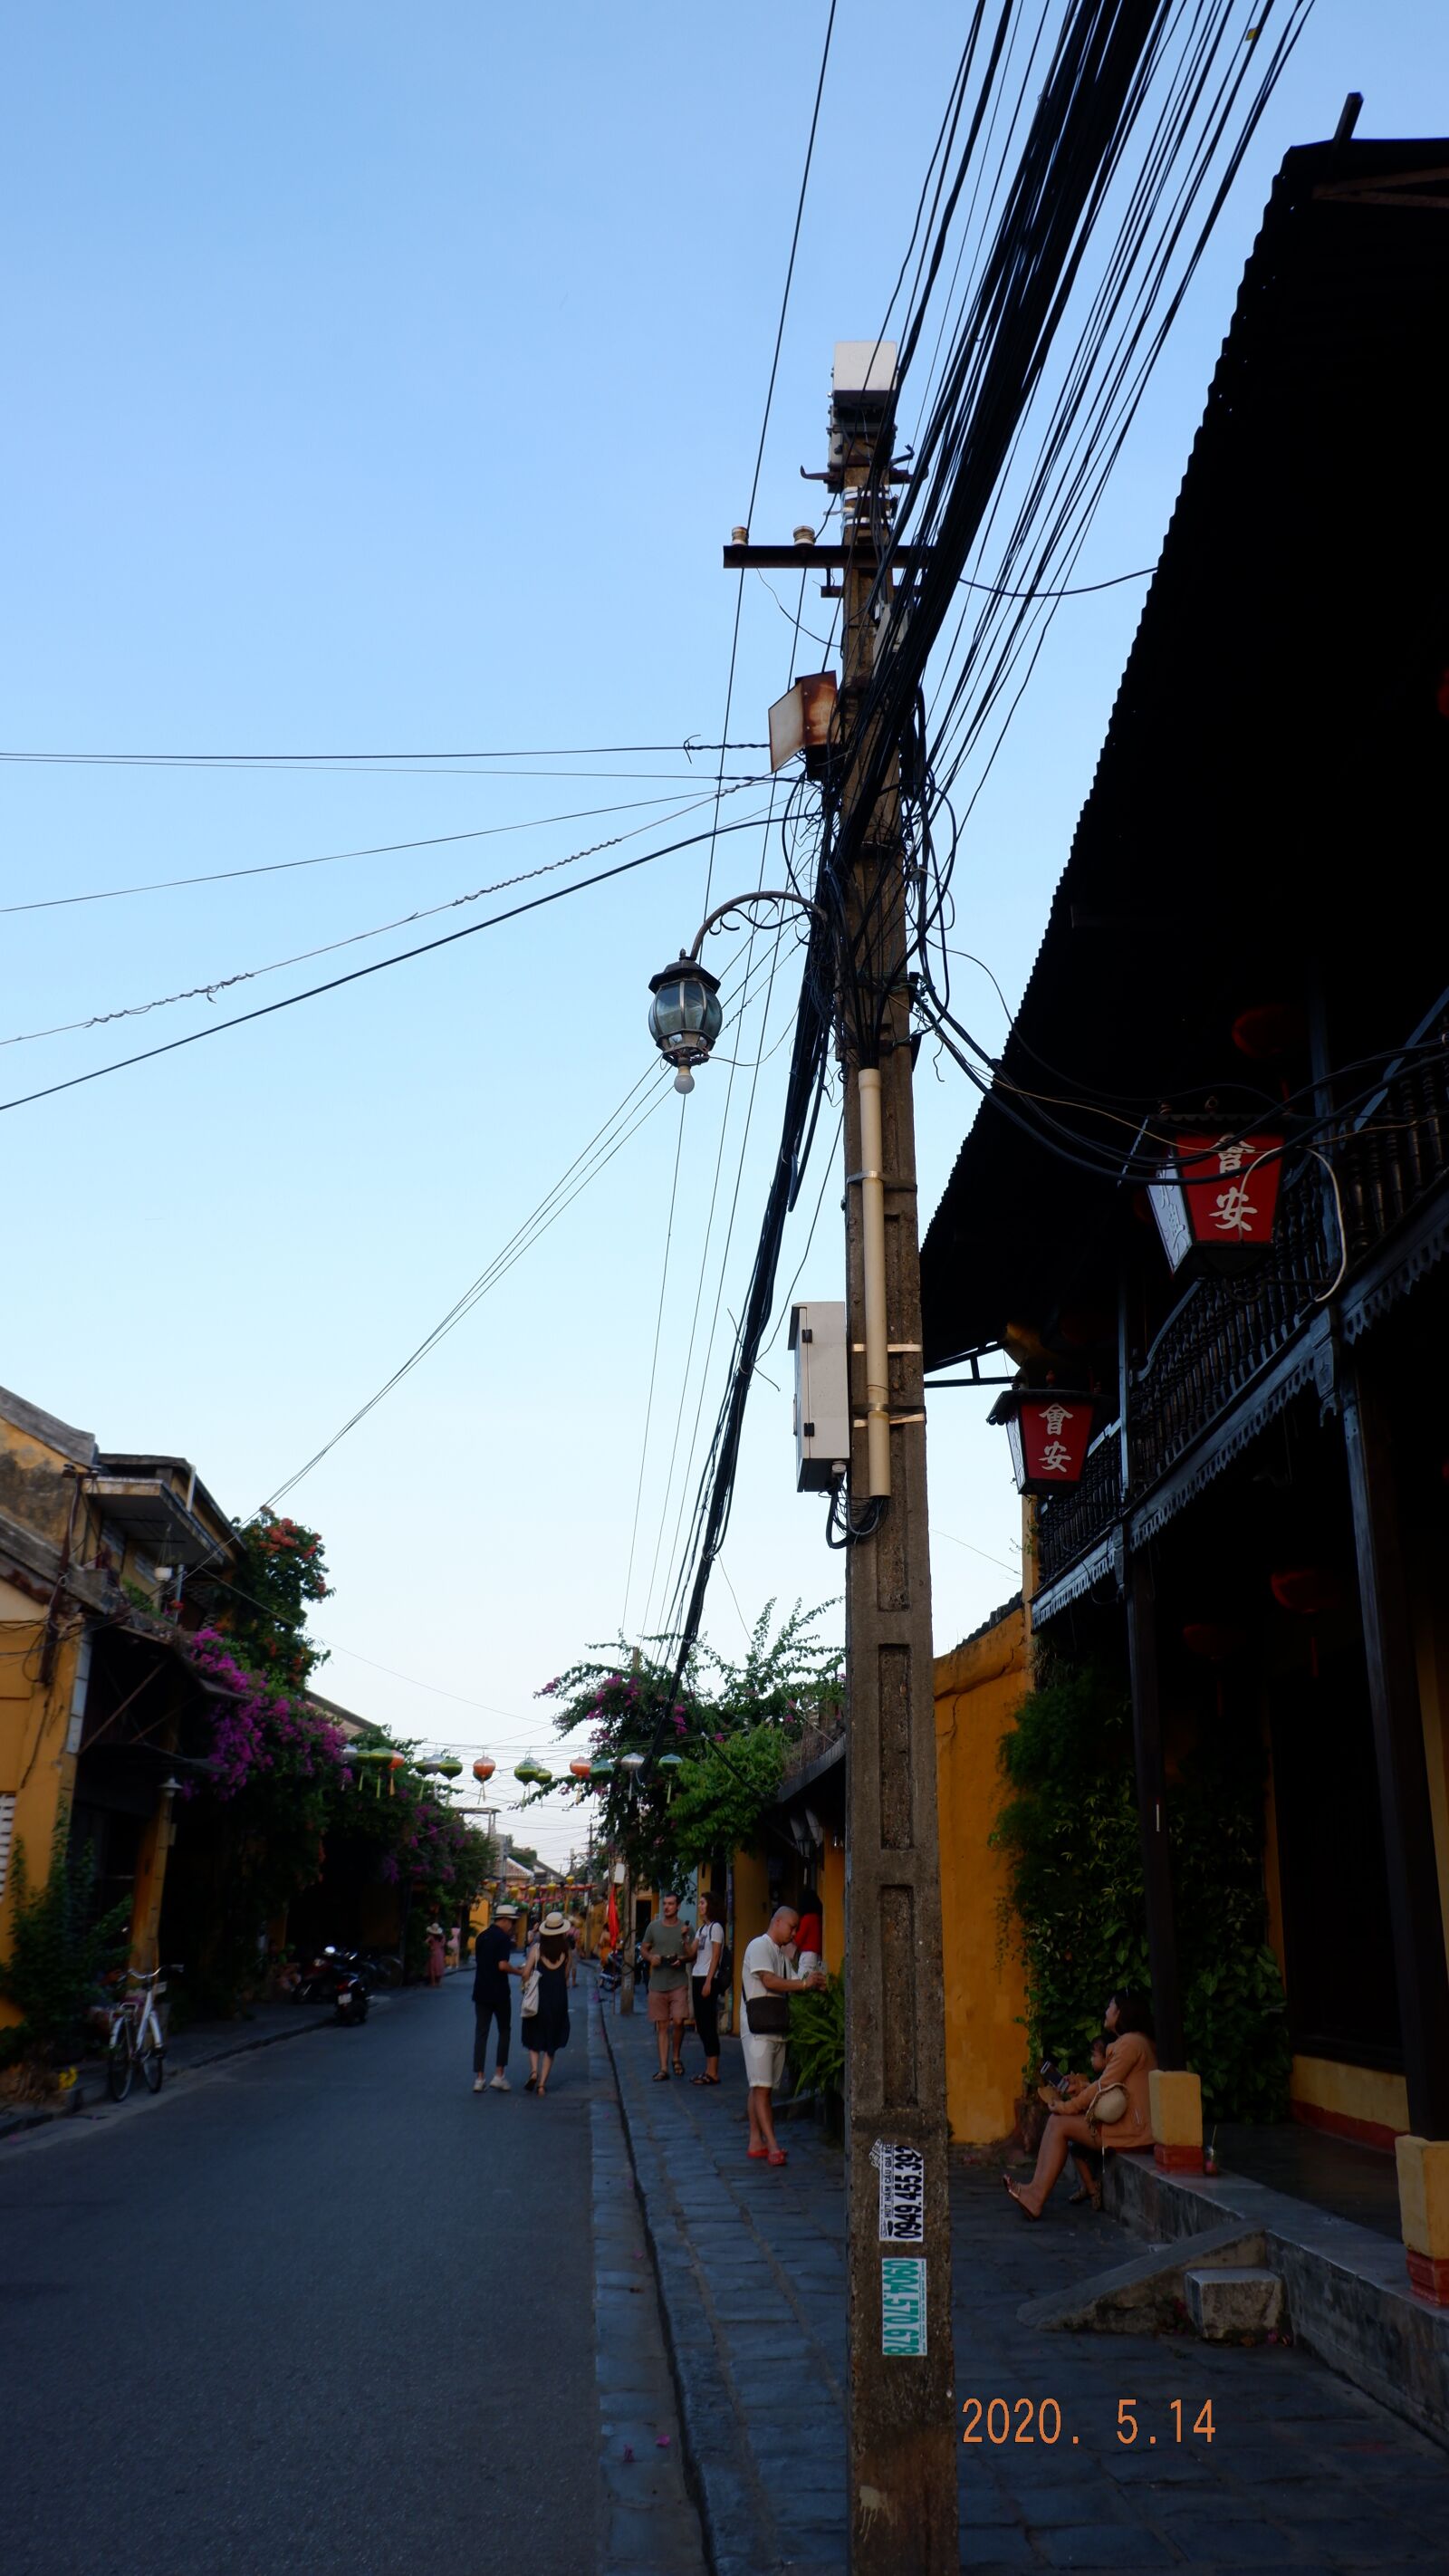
280 1791
730 1724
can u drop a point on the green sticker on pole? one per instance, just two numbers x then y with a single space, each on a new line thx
903 2307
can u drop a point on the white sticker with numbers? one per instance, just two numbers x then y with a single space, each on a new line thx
902 2172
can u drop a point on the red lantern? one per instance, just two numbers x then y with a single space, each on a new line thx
1215 1199
1270 1029
1307 1590
581 1766
1049 1435
1214 1645
483 1770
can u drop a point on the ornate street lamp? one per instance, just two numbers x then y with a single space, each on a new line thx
685 1016
1215 1199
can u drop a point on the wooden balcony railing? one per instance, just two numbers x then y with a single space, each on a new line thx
1392 1158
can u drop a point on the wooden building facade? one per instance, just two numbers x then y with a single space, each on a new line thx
1249 938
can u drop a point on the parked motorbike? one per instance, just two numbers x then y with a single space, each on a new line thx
350 2000
338 1977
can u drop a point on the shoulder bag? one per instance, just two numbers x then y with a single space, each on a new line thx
768 2015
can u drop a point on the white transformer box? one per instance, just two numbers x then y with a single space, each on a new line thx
822 1395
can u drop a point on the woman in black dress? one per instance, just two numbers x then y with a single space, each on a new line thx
545 2025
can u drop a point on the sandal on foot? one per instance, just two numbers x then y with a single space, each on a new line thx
705 2079
677 2069
777 2156
1013 2194
757 2154
661 2078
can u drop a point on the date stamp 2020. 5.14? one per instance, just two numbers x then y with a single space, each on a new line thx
1003 2420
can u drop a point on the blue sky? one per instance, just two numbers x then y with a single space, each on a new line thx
387 381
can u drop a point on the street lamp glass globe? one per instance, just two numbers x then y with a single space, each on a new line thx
685 1017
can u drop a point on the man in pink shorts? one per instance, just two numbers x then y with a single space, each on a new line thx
666 1947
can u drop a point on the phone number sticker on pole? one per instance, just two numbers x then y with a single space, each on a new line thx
903 2307
902 2172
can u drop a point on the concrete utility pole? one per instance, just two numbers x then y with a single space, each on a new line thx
902 2423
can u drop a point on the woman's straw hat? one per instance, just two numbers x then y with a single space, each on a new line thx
553 1923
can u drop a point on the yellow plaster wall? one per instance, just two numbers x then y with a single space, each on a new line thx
1432 1645
979 1688
752 1915
1350 2092
34 1764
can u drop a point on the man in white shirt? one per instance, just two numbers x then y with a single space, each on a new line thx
765 1971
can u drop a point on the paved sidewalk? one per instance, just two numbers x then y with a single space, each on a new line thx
1302 2470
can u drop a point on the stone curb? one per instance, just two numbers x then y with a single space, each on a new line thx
729 2509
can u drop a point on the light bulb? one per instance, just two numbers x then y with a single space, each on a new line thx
684 1079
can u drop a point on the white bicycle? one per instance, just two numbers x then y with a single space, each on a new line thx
136 2035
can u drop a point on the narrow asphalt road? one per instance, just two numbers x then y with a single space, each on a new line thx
319 2308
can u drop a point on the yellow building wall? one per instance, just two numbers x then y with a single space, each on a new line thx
1432 1651
35 1768
979 1688
1356 2101
752 1916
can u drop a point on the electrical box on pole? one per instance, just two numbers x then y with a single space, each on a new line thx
822 1395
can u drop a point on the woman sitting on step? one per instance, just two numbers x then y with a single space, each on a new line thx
1114 2114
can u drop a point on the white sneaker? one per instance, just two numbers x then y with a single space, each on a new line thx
477 2083
500 2084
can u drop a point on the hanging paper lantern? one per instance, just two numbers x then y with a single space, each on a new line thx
424 1769
1306 1590
1049 1431
1271 1029
633 1763
1212 1644
1215 1199
581 1766
483 1769
602 1769
450 1768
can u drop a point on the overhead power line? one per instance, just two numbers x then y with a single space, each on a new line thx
618 1130
329 947
361 759
330 858
1060 131
379 966
770 395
